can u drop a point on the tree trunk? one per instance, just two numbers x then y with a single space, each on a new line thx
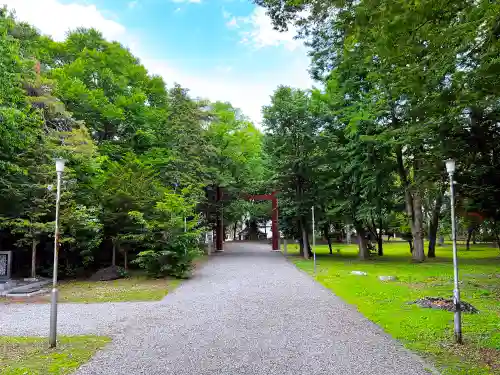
309 248
474 237
431 251
125 259
380 245
235 230
379 236
326 232
495 232
433 227
305 244
363 253
113 259
469 235
298 237
418 254
305 240
413 208
33 258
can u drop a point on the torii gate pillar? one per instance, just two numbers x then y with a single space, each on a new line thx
274 222
274 215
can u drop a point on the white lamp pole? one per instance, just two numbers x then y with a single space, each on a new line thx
53 305
450 168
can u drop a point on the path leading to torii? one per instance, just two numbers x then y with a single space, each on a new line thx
246 311
249 311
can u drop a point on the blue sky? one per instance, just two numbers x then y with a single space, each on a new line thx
219 49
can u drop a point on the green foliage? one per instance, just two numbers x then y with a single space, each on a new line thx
291 143
82 231
19 126
140 157
236 148
169 262
171 247
406 86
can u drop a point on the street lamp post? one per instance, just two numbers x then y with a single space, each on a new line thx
53 304
450 168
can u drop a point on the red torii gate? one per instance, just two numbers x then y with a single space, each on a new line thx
219 229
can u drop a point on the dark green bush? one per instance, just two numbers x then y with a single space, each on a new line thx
174 260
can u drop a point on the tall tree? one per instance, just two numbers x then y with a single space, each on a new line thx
291 135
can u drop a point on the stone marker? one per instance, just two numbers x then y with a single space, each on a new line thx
387 278
209 242
5 264
359 273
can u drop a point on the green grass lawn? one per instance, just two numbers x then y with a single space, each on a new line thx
32 356
135 288
426 331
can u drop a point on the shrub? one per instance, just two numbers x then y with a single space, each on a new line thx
174 260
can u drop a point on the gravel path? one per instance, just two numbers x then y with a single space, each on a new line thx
105 319
249 311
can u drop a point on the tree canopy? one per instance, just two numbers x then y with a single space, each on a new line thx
140 157
406 85
403 86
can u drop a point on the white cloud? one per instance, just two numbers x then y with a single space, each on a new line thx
258 31
244 91
133 4
232 23
248 91
55 18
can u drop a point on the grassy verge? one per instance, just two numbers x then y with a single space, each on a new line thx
134 288
31 356
427 331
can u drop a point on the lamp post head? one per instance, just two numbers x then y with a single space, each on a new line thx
450 166
59 165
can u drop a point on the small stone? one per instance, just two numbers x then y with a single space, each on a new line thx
108 273
359 273
387 278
